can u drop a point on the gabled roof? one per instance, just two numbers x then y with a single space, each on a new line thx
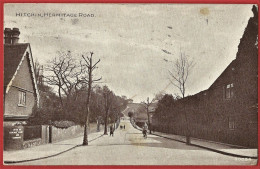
215 83
14 55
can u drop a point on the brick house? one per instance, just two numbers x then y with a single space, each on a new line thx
20 88
234 92
227 111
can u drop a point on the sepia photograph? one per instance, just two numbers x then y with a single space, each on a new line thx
130 84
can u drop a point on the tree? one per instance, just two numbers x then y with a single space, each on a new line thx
147 105
180 73
48 108
112 106
159 96
163 110
118 105
96 105
38 71
178 77
64 73
89 67
108 99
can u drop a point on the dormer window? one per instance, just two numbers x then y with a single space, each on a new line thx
229 91
22 98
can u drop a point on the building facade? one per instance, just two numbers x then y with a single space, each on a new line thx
228 110
20 89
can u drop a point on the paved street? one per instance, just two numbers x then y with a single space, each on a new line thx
128 147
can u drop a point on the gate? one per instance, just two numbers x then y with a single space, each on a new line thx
32 132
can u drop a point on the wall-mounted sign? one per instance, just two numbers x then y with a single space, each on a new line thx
15 133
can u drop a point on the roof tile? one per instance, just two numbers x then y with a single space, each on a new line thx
13 54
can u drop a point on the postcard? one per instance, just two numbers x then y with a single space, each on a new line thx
130 84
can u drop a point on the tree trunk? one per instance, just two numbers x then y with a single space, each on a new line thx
60 97
90 68
149 124
98 125
187 129
105 129
85 138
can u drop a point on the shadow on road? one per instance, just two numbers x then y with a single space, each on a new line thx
163 143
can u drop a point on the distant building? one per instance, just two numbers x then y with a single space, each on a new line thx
129 100
140 112
20 88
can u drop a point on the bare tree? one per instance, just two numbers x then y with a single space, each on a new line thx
56 70
178 77
38 70
147 104
89 66
180 72
65 73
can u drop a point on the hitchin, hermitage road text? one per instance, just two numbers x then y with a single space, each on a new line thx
46 14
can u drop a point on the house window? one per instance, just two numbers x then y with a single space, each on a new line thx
22 98
231 123
229 91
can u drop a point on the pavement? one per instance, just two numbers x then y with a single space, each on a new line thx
223 148
226 148
49 150
128 147
46 150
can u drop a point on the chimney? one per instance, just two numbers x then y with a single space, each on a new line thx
15 35
255 11
8 35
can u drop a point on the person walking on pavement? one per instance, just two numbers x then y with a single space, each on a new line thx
145 128
111 131
144 132
124 126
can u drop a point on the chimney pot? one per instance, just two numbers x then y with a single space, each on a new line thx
8 35
15 35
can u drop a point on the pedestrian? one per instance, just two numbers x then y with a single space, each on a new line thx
124 126
144 132
111 131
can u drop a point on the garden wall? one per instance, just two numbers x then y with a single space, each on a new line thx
59 134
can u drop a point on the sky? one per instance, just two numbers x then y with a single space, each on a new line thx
137 43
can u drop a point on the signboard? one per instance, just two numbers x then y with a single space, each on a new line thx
13 137
16 133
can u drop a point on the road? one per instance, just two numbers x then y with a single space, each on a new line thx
128 147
